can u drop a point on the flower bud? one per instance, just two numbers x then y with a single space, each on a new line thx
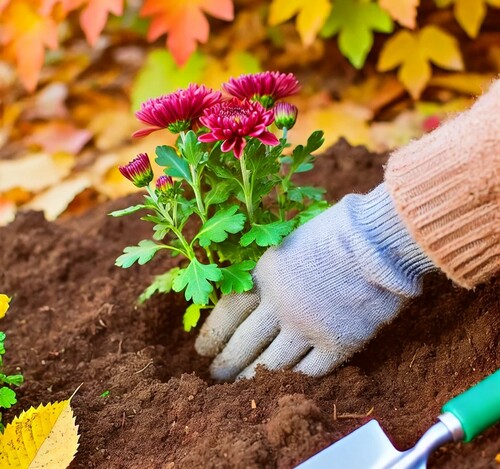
138 171
285 115
164 185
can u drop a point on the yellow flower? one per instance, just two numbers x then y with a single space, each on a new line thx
4 304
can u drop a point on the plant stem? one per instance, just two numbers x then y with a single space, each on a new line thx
247 188
197 193
213 297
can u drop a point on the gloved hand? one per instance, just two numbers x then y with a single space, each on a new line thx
321 295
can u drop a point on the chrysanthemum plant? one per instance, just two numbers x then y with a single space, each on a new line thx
228 177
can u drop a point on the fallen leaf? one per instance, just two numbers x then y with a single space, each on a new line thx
413 52
403 11
375 92
234 64
56 199
311 16
469 83
337 120
469 13
35 172
4 304
112 128
354 21
184 22
43 437
59 136
48 103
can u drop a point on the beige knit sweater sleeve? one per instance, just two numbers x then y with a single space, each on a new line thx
446 187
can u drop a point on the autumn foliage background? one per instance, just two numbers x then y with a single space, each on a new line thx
72 72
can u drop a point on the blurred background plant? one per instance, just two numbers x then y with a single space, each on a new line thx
72 72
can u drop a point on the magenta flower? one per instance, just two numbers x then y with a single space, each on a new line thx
138 171
285 115
164 185
176 111
265 87
232 121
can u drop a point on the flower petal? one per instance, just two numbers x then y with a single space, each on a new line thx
268 138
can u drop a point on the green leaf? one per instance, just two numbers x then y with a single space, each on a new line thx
7 397
160 231
161 284
355 22
126 211
301 156
216 229
195 278
141 254
312 211
175 166
191 316
237 278
267 235
220 192
299 193
191 148
160 75
14 380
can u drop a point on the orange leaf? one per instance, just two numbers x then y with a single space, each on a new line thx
25 33
184 22
94 16
403 11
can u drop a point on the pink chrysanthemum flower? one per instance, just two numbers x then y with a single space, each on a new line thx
176 111
285 115
265 87
164 185
232 121
138 171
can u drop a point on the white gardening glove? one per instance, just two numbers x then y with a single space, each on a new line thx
321 295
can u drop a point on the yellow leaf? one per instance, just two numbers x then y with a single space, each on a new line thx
237 63
413 52
469 13
337 120
56 199
403 11
4 304
468 83
34 172
396 50
440 48
311 16
45 437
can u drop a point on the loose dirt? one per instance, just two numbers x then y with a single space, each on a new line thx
73 320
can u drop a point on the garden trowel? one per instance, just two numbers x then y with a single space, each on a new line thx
368 447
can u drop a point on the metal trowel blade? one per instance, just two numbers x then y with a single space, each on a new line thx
365 448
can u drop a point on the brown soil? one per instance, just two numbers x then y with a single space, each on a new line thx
73 321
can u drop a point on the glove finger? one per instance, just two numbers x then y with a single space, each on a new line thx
284 352
228 314
320 362
251 337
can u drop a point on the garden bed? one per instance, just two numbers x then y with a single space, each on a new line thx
73 320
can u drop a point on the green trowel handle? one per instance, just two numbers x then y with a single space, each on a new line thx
477 408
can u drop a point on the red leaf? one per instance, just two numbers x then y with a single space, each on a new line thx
184 22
